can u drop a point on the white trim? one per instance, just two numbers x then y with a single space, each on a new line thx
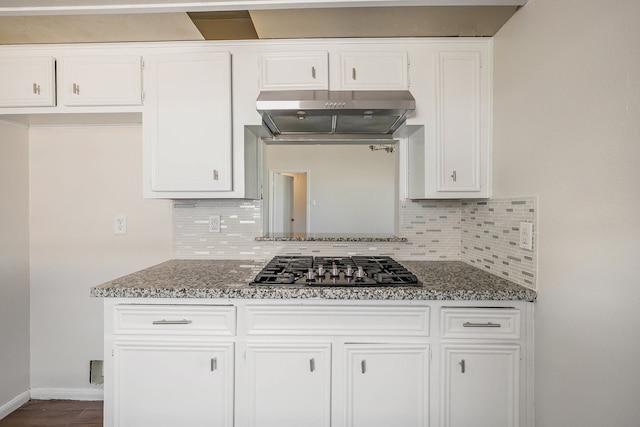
67 393
65 7
14 404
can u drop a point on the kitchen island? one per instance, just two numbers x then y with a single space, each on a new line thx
193 342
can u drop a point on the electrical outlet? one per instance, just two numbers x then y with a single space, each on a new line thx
526 236
214 223
120 224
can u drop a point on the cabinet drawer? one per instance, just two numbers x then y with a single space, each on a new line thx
480 323
347 320
175 320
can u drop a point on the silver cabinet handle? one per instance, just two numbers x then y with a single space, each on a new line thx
312 365
313 72
214 364
353 73
481 325
363 366
36 88
76 89
454 176
462 366
172 322
215 174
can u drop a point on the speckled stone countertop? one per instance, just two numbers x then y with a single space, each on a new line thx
441 280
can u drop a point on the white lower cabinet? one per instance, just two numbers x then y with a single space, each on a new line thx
387 385
167 384
480 386
289 384
250 363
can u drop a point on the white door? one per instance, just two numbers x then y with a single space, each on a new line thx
282 203
458 121
374 71
172 384
480 386
387 385
294 70
187 125
27 82
289 384
101 80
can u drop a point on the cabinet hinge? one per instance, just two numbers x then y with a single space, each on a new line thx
143 94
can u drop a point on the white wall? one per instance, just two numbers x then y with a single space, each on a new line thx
79 179
567 128
354 189
14 262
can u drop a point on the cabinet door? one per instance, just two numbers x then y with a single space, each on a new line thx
27 82
101 80
458 114
173 384
294 70
289 385
387 385
374 71
480 386
187 123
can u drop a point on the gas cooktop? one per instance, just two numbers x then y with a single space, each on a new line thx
335 271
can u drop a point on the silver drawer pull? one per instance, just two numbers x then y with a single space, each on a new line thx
462 366
312 365
481 325
214 364
363 366
172 322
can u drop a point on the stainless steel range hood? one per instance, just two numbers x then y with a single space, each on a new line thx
322 115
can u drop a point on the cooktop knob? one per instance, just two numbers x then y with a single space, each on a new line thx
334 271
321 270
349 272
310 275
360 273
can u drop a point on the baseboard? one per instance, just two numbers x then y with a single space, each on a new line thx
67 393
14 404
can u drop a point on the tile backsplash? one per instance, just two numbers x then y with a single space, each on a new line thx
483 233
432 229
491 236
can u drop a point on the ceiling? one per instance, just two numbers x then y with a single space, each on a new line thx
83 21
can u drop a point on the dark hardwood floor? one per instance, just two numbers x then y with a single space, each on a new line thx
55 413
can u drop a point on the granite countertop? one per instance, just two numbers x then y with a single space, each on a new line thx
441 280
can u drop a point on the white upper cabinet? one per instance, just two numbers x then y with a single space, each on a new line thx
373 71
100 80
317 70
294 70
187 125
458 105
27 82
452 159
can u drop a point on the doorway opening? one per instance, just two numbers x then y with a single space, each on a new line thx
289 203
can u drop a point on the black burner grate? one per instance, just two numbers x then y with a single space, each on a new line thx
335 271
